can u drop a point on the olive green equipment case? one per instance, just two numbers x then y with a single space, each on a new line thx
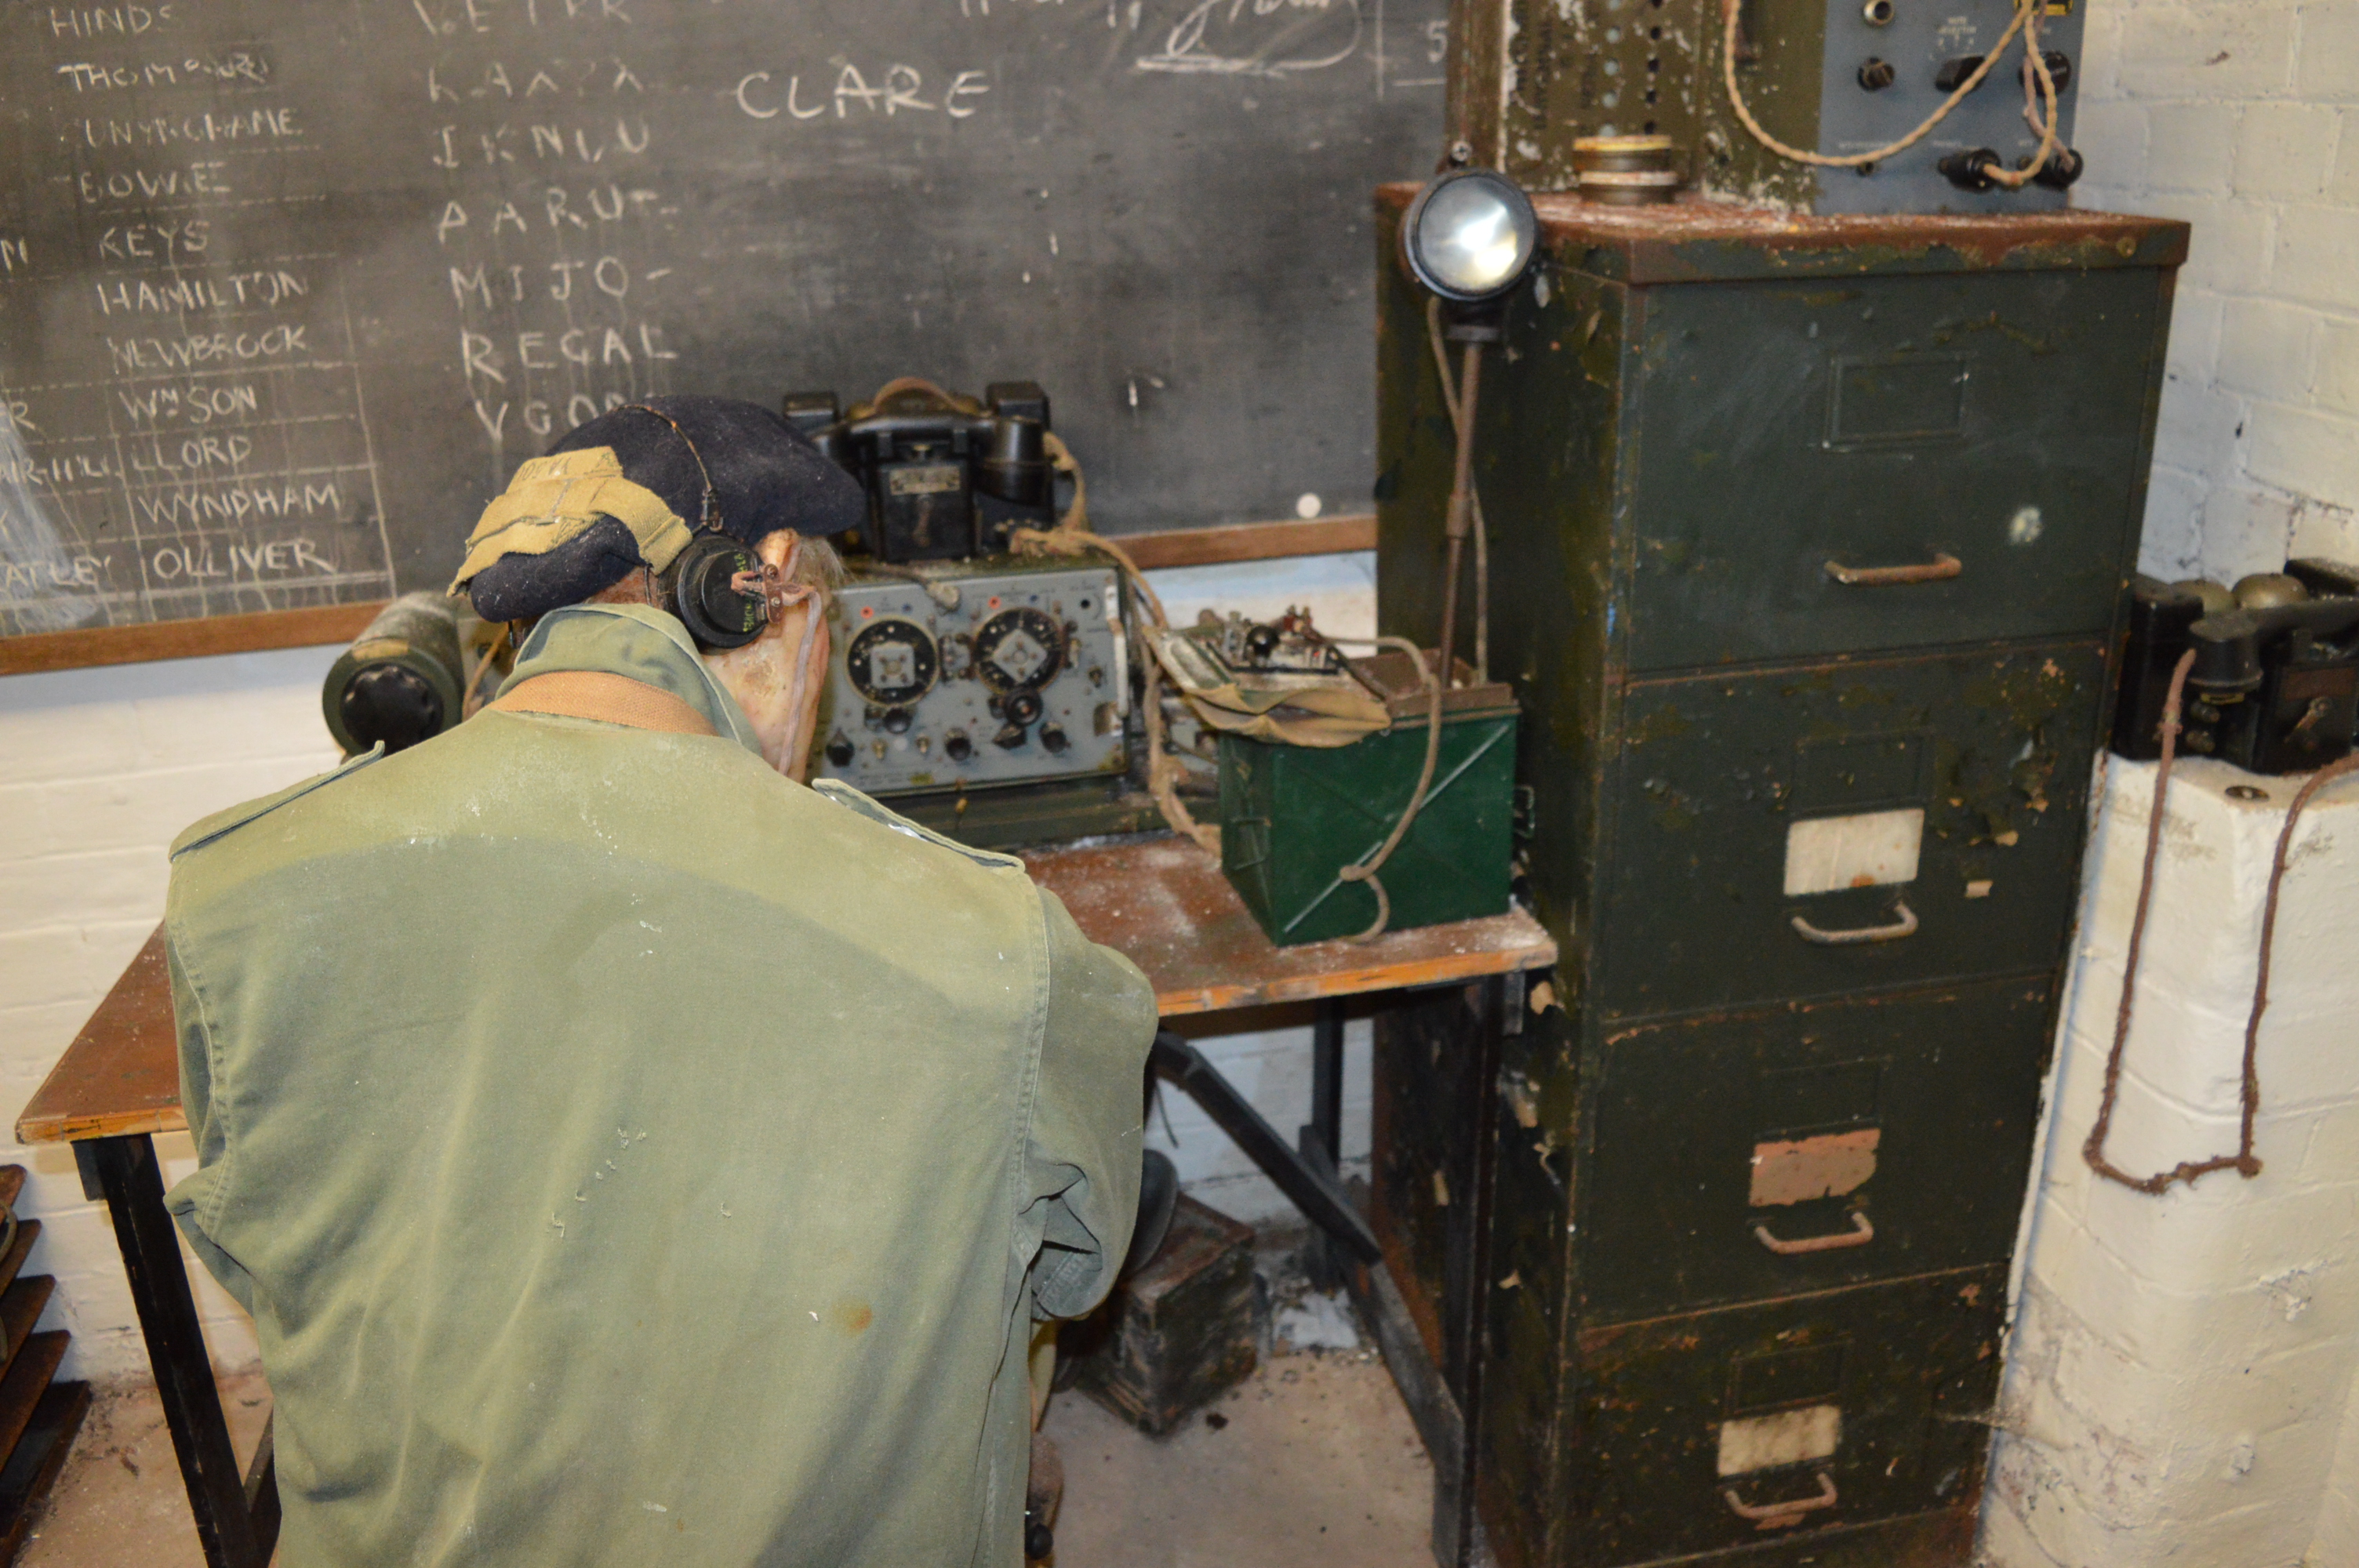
1293 817
1803 531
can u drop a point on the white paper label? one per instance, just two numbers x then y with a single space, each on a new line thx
1875 847
1789 1437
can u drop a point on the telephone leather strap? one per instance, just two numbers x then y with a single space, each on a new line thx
611 698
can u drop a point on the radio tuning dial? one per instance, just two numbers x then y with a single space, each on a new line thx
1018 650
892 662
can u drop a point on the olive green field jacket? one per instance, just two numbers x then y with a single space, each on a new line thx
631 1156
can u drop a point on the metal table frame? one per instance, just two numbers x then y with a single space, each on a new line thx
236 1511
117 1086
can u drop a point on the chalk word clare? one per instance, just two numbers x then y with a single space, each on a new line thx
899 90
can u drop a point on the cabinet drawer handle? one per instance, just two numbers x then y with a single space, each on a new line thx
1778 1516
1941 568
1904 926
1861 1233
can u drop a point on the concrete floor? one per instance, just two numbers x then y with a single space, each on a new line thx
120 1500
1313 1459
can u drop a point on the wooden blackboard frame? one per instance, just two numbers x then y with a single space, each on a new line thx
200 636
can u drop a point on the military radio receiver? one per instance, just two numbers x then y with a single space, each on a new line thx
948 477
991 673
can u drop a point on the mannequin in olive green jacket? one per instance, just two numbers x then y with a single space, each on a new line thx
629 1155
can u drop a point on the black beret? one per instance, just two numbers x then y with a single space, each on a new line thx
766 476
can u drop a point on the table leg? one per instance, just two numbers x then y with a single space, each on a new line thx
1314 1190
1323 1135
1445 1395
1321 1138
1457 1526
133 1185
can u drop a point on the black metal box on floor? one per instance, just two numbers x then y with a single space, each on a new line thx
1810 546
1180 1332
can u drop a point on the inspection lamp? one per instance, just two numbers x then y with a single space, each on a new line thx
1469 235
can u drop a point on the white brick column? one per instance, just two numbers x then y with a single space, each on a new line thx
2242 117
2179 1366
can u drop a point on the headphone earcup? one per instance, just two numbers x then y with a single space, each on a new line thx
716 615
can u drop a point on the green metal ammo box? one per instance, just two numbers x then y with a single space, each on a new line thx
1810 543
1292 817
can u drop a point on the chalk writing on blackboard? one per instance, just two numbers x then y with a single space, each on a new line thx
551 225
184 431
1259 38
286 290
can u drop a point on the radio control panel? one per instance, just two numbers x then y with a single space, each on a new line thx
975 673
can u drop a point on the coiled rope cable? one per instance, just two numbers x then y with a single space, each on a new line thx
2027 22
1365 871
2244 1162
1072 535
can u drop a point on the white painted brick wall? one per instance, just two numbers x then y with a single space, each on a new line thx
2179 1369
101 769
2242 117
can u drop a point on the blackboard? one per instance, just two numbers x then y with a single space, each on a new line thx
288 287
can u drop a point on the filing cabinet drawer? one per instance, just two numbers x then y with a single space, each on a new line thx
1810 1145
1850 826
1983 432
1779 1421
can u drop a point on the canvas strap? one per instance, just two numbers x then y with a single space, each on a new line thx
613 698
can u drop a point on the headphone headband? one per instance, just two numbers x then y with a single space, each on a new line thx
711 521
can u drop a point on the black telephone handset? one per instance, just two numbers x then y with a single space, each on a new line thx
948 478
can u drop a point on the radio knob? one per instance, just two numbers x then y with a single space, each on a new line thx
897 720
958 747
839 749
1054 739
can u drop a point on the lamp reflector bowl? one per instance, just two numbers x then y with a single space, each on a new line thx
1470 235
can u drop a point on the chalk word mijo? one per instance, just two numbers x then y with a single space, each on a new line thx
902 87
607 274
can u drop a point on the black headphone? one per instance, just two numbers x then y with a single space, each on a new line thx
700 585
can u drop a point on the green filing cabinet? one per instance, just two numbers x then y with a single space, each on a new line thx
1809 537
1292 817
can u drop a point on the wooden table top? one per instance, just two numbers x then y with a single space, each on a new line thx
1164 904
1161 901
122 1074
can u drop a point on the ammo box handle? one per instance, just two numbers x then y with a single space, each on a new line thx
1904 926
1941 568
1861 1233
1777 1516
